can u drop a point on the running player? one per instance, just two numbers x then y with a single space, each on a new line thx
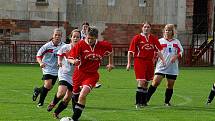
90 51
142 47
84 29
65 76
47 58
172 51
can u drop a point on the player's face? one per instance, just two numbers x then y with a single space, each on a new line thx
91 39
146 28
168 33
57 37
85 28
75 37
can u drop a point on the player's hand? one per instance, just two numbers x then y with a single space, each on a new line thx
109 67
128 66
42 65
163 62
60 64
174 58
76 62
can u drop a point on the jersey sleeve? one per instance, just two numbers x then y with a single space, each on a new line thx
41 51
132 47
158 46
180 49
108 48
63 50
75 51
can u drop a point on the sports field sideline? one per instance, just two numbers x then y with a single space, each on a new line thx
114 101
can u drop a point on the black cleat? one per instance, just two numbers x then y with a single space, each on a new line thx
35 93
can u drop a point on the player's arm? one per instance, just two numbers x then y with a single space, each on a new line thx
160 55
39 56
110 65
73 55
130 54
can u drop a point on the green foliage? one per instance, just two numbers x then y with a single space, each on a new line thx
114 101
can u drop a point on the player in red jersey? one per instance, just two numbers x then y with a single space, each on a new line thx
87 56
143 48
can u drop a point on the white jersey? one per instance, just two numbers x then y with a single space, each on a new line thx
170 48
65 72
83 35
48 53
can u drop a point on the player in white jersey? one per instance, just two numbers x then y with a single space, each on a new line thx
65 76
47 59
172 51
84 29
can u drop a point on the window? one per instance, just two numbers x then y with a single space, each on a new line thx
42 3
111 2
79 2
142 3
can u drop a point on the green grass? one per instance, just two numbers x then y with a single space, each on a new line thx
114 101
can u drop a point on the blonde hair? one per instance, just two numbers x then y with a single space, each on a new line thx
171 27
57 30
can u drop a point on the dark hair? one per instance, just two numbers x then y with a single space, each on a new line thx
86 23
93 31
146 23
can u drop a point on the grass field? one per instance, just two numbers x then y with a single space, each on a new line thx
114 101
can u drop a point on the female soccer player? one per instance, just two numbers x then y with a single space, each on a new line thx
87 55
142 47
47 58
172 51
65 76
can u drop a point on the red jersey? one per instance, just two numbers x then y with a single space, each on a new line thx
90 57
143 48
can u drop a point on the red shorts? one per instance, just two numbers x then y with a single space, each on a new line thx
81 78
144 69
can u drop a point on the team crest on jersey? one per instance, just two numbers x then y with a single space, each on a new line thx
93 57
148 46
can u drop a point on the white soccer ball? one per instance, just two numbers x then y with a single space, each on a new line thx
66 119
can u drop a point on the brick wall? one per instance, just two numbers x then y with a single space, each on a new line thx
24 26
123 33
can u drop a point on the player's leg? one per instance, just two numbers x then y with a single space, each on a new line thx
155 83
211 95
141 93
62 88
49 81
36 93
64 103
80 105
169 90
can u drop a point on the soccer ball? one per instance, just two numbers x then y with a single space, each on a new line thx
66 119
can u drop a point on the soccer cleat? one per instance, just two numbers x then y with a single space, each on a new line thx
167 104
56 115
144 105
35 93
50 106
98 85
39 105
137 106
